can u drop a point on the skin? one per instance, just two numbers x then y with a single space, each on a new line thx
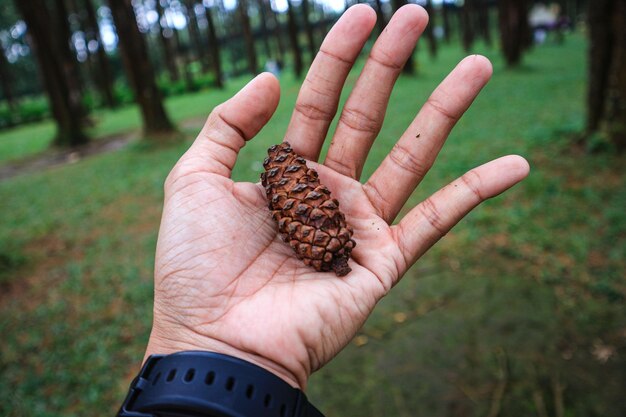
225 282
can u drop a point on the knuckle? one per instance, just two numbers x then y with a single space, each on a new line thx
314 111
433 216
360 121
406 161
473 181
442 109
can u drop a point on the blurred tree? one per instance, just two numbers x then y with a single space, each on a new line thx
262 7
447 9
606 98
214 47
165 38
293 38
105 76
194 35
430 29
381 20
6 80
409 67
57 68
308 30
483 21
467 25
246 28
278 32
514 29
139 69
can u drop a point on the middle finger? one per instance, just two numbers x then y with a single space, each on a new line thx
364 111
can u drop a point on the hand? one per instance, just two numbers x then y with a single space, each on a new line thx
224 280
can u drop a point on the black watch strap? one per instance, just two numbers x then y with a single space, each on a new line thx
196 383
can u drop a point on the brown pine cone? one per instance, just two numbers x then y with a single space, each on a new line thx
308 218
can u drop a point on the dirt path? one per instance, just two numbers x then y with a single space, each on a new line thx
57 157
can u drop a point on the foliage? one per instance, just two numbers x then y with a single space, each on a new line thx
518 311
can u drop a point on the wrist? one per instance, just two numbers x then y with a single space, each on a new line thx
172 342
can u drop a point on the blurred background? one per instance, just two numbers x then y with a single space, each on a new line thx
519 311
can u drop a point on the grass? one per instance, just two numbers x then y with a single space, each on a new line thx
524 297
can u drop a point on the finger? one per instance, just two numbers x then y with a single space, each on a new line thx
434 217
231 124
413 155
319 95
364 111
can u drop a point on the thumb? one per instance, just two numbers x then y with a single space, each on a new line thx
232 123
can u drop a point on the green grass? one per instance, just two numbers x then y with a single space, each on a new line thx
527 292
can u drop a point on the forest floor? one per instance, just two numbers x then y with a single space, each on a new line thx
519 311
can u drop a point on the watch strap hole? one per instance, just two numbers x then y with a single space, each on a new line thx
189 375
249 391
210 377
230 383
171 375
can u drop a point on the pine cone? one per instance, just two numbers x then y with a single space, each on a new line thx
308 218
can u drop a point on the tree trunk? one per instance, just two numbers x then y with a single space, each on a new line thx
467 25
308 30
484 21
214 47
278 34
6 80
430 29
293 38
169 54
600 49
381 22
513 23
614 122
139 69
264 30
194 36
105 77
447 27
247 37
409 67
52 51
186 60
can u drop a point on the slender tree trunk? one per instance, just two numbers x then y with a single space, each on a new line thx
105 76
513 23
430 29
447 27
381 22
169 54
247 37
484 21
600 47
409 67
614 122
52 50
264 29
139 69
214 47
293 38
308 30
6 80
467 25
186 60
194 36
278 33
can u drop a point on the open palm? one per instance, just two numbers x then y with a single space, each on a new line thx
225 281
